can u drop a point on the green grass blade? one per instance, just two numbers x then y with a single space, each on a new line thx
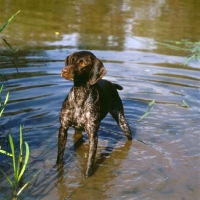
9 46
25 161
23 188
14 64
20 150
185 104
5 152
13 157
188 59
27 183
143 116
151 103
8 22
11 61
149 110
6 99
173 46
1 88
1 110
7 177
4 105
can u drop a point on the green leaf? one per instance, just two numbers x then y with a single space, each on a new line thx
7 96
143 116
1 88
13 157
185 104
7 178
4 105
151 103
21 150
25 161
10 46
11 61
173 46
27 183
149 110
5 152
8 22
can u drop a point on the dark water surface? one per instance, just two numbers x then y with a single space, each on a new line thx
162 161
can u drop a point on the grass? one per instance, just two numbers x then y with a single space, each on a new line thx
10 47
193 48
3 105
19 164
149 110
8 22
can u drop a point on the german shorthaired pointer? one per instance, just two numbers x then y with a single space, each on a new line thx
88 102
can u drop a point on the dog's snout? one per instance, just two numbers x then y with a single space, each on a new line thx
65 70
67 73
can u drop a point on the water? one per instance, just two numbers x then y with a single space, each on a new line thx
162 161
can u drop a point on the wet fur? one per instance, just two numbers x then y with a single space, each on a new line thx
88 102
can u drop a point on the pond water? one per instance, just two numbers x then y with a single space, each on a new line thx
162 161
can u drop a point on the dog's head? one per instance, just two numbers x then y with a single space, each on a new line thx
83 66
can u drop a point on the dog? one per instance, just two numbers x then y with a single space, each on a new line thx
88 102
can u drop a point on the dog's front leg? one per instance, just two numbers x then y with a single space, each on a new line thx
62 138
93 140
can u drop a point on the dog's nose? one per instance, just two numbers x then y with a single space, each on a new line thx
64 71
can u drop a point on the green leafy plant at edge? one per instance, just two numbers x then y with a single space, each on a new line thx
2 106
10 47
19 165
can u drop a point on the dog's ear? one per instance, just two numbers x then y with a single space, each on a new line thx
67 60
97 71
70 59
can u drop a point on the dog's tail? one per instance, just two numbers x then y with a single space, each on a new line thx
118 87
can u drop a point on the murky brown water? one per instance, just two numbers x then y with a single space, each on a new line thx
162 162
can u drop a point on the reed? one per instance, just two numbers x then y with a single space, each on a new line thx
193 48
149 110
3 105
20 161
19 164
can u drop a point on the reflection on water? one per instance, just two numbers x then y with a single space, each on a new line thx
162 162
99 24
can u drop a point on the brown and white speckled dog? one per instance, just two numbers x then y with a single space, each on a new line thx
88 102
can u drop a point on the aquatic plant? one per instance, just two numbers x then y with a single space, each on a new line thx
3 105
149 110
192 47
10 47
19 164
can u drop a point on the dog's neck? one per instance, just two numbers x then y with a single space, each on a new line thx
82 84
81 92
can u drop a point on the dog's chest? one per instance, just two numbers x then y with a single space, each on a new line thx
81 110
